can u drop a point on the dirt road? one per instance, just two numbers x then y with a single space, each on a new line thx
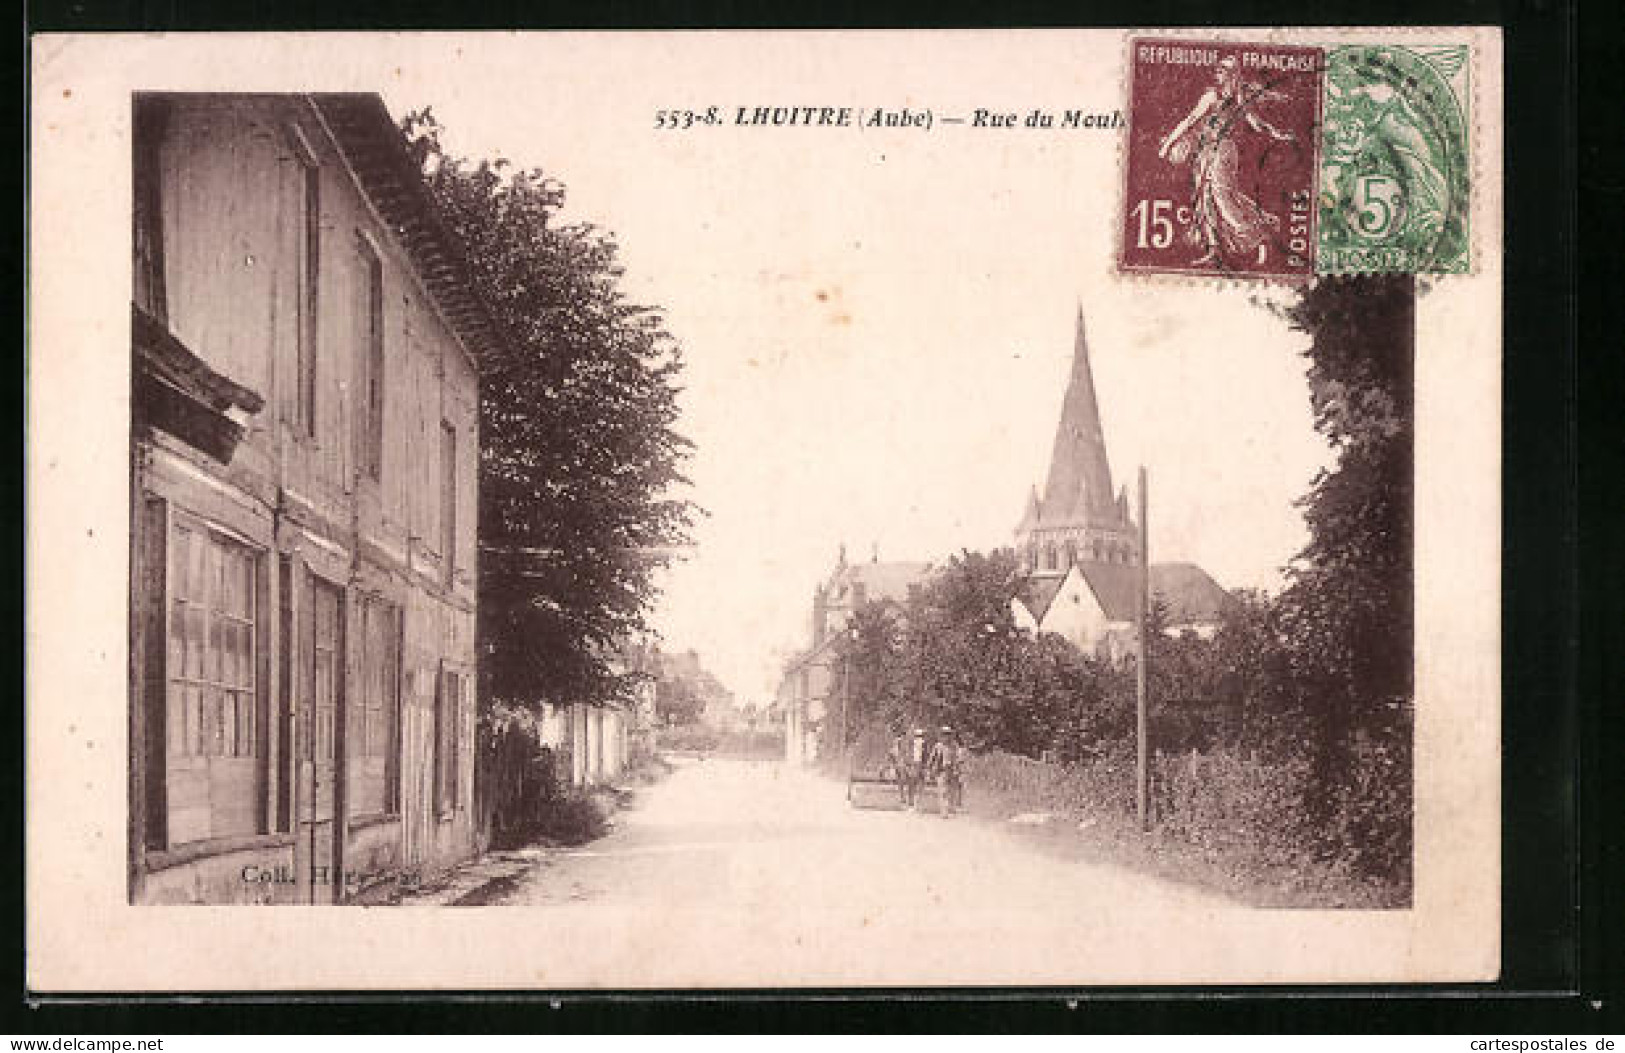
742 871
754 835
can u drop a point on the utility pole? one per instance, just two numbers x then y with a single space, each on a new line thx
846 701
846 694
1142 604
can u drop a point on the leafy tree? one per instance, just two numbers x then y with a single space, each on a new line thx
1348 607
961 647
677 702
579 452
954 656
1251 666
1078 705
869 675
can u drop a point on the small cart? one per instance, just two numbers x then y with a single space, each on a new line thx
874 789
879 789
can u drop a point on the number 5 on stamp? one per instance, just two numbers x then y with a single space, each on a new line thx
1395 176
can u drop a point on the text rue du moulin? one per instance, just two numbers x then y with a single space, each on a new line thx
883 117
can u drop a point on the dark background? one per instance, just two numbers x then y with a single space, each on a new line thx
1564 581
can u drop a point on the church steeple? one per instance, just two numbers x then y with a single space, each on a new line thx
1079 490
1080 517
1031 517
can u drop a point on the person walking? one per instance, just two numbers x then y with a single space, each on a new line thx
957 784
897 761
946 764
915 768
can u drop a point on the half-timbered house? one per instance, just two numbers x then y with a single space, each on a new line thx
304 454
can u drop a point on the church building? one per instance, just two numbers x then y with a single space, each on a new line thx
1079 546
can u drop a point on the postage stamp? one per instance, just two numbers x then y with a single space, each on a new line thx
1288 161
1395 169
1222 159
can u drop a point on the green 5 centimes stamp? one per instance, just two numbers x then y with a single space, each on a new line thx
1395 164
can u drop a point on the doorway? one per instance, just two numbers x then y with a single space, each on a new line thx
319 701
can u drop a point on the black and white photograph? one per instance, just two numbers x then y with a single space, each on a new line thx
695 510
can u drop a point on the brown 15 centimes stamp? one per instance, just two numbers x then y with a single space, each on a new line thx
1222 159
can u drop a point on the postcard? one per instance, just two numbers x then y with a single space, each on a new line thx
672 510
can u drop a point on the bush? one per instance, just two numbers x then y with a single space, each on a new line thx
698 738
1236 807
573 820
1105 784
1243 814
647 769
518 776
1371 825
688 737
759 745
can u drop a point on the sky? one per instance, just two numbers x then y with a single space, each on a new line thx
878 323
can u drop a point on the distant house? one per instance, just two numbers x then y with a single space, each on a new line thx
806 692
810 689
304 459
704 697
853 585
1079 547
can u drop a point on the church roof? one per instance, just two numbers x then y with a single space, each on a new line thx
880 581
1189 591
1036 594
1115 586
1079 489
1191 594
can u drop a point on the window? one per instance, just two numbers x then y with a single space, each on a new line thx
371 734
325 648
448 500
309 263
212 724
448 741
370 311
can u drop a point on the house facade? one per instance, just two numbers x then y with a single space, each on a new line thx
304 463
806 693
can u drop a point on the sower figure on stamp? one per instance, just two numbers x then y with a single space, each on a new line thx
1224 220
